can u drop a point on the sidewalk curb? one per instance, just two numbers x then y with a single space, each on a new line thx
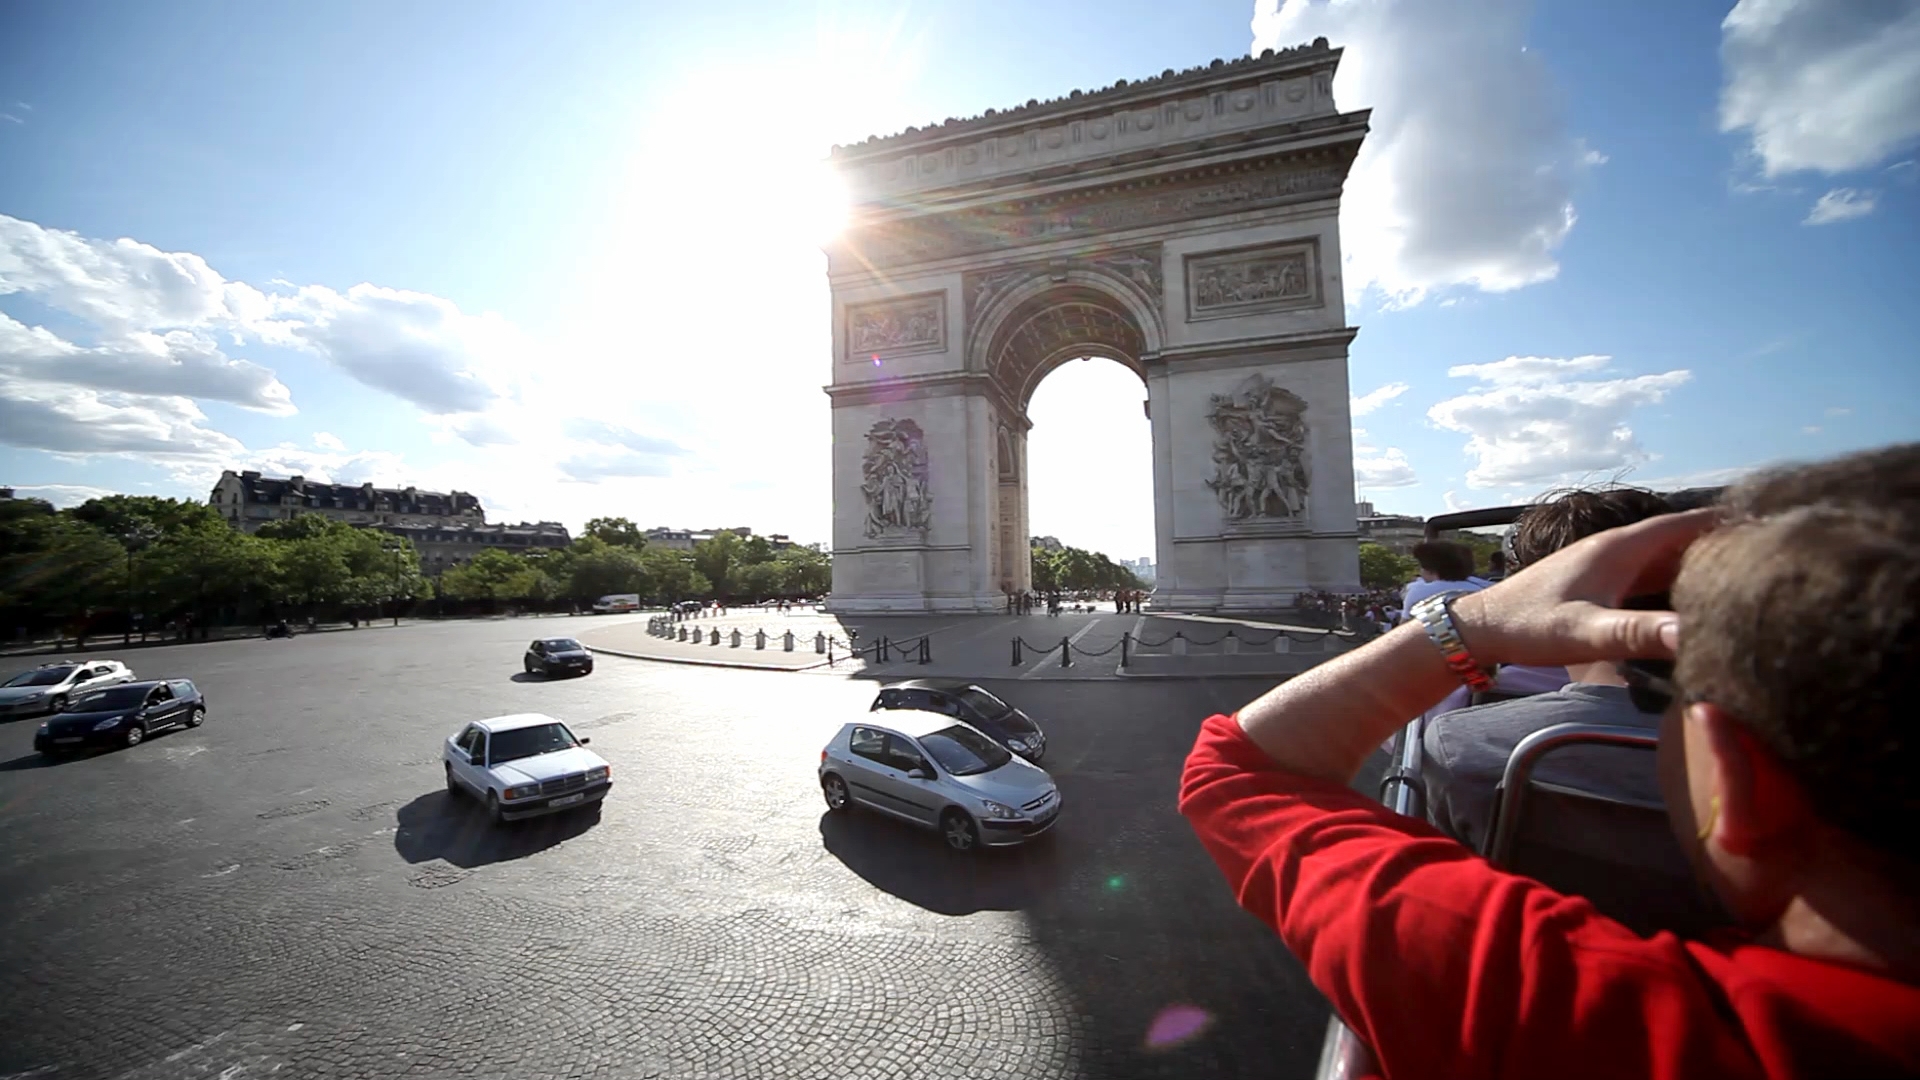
695 662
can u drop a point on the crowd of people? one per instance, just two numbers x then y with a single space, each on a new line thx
1769 643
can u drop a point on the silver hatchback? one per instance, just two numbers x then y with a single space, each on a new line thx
932 771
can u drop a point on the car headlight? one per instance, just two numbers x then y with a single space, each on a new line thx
43 727
595 775
1019 744
109 723
997 810
524 791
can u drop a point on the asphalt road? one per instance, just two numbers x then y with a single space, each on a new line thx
289 888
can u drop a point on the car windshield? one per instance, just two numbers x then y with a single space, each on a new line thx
41 677
119 697
529 741
561 644
964 751
982 702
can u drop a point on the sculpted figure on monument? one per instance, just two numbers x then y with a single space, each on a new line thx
894 478
1260 463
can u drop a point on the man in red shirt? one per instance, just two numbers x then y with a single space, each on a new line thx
1789 765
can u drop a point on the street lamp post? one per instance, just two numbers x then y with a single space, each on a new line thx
135 538
398 561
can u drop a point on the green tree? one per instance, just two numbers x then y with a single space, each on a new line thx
1380 568
804 572
617 531
716 560
122 515
492 575
606 569
673 575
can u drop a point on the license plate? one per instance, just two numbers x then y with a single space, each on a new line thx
568 800
67 740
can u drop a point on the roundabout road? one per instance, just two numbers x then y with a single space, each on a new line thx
291 888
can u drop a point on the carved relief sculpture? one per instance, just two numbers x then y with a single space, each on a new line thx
894 479
1243 282
911 325
1260 462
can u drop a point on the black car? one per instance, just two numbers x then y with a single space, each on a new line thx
967 702
558 656
122 715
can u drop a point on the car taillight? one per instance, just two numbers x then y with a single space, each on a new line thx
823 757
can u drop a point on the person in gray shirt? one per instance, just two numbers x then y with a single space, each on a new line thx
1466 751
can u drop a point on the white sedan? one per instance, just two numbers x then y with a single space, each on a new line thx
525 765
48 688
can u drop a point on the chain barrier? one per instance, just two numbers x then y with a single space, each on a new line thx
1128 642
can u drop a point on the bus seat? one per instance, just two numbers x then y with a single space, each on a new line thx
1618 853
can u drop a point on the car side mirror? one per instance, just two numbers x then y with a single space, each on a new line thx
919 774
474 757
585 739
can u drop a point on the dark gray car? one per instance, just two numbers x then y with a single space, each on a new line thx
931 771
558 656
973 705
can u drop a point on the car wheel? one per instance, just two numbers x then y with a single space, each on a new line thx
197 717
135 734
453 786
56 702
494 813
835 789
959 831
528 664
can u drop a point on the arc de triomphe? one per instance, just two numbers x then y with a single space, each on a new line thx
1185 226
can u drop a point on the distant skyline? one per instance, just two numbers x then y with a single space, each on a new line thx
568 260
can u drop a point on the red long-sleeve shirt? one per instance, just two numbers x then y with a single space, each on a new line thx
1445 966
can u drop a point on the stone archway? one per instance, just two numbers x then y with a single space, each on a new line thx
1184 226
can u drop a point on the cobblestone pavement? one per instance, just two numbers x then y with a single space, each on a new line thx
290 889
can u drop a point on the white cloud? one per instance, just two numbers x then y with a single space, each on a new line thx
119 285
1467 177
79 421
183 363
417 347
1811 429
1842 204
326 440
1373 399
1387 468
1824 85
61 495
1377 468
1455 503
1838 410
1534 419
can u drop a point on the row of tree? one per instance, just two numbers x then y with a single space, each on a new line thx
1072 569
612 557
126 562
138 562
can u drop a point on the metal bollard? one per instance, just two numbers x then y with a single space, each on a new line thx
1179 644
759 639
1280 642
714 637
882 653
733 641
1066 653
1126 648
820 642
789 641
926 650
1231 646
1016 652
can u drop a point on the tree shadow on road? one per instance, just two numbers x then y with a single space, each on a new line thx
916 866
441 825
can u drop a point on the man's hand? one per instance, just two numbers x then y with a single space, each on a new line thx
1563 609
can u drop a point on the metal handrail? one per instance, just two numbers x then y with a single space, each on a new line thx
1510 796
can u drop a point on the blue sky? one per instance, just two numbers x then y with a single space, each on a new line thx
567 258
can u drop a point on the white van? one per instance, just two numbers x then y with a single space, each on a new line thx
616 604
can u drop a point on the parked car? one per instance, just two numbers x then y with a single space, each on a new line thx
524 765
558 656
48 688
972 705
617 604
926 769
122 715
